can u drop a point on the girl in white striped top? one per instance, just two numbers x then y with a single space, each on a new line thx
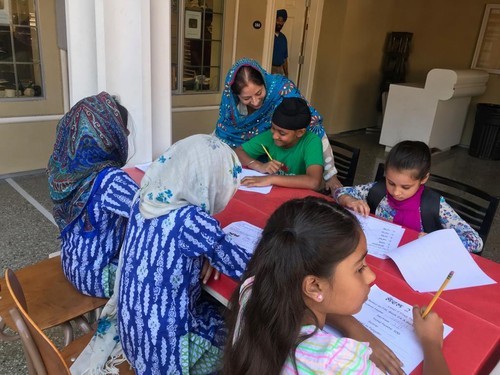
310 264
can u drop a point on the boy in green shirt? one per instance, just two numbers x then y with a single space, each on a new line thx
294 156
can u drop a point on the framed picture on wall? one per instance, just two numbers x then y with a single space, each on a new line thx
193 25
487 54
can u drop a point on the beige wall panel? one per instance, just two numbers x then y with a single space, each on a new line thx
250 41
28 148
326 78
445 36
349 59
351 50
185 124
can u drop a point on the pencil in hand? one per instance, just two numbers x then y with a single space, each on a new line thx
267 152
438 293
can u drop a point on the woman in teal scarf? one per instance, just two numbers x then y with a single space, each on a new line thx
92 195
248 101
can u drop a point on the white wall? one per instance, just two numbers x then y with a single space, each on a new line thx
123 47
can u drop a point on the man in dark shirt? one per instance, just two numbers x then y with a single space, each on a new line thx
280 51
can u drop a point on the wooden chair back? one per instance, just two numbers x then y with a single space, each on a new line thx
346 161
34 340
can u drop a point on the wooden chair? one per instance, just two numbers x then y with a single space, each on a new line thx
346 161
52 298
474 205
43 357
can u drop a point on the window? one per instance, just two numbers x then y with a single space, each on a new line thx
20 71
487 54
196 45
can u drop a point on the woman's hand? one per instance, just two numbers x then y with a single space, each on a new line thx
357 205
332 184
206 272
255 181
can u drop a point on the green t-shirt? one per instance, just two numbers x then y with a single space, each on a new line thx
308 151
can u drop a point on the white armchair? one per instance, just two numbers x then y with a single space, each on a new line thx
433 113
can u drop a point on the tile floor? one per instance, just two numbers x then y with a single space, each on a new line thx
27 236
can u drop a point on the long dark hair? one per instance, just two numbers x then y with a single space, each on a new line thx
410 155
245 75
303 237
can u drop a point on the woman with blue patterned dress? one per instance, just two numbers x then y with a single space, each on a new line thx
249 99
166 325
91 194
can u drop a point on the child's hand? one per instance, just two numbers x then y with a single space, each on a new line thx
207 270
254 181
429 330
271 167
354 204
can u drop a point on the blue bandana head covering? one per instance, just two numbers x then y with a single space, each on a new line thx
282 13
235 129
89 138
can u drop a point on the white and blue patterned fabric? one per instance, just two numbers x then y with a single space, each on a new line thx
448 217
165 324
90 244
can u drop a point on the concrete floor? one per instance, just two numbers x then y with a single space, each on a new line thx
27 236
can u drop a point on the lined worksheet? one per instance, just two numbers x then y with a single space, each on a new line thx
391 320
381 236
244 234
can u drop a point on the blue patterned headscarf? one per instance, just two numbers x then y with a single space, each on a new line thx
89 138
235 129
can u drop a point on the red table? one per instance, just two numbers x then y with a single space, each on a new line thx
482 301
473 347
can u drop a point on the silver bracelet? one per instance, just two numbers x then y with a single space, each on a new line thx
250 162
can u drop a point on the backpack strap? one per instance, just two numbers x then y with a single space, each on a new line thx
429 205
429 210
375 195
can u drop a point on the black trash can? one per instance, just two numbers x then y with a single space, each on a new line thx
485 142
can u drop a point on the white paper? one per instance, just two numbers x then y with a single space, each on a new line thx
244 234
391 320
381 236
143 167
426 262
260 189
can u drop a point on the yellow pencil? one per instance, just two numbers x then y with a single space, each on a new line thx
438 293
267 152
